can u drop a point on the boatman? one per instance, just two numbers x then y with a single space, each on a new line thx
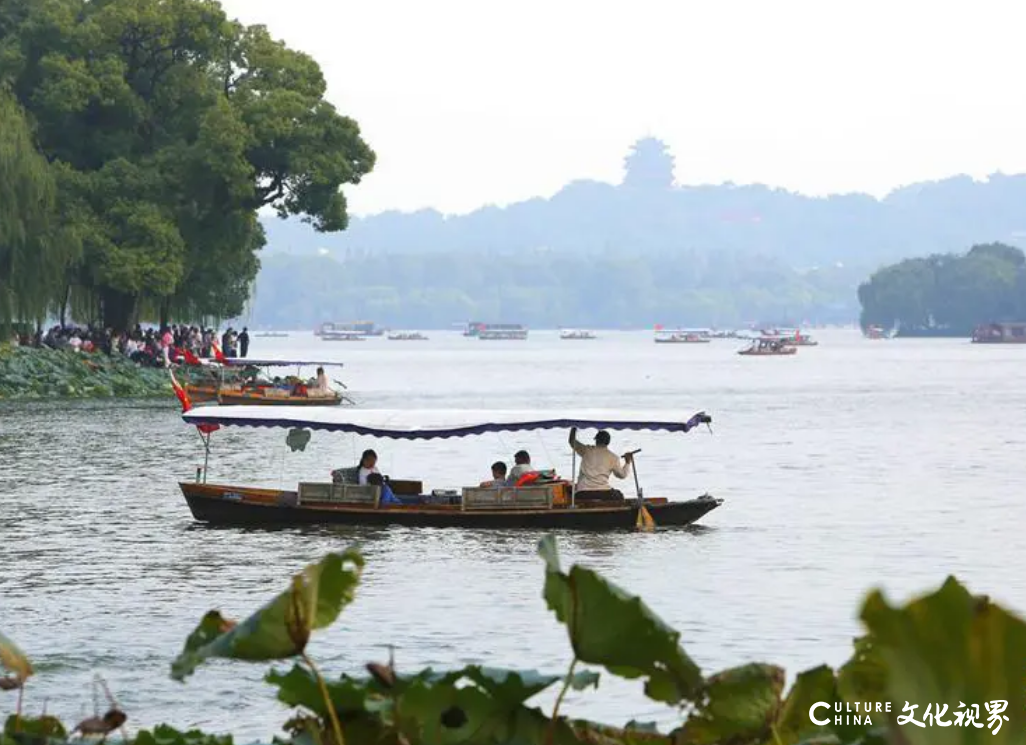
597 462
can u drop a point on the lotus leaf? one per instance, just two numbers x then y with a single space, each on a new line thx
299 687
38 729
949 648
514 687
793 723
280 629
162 734
609 627
736 705
13 659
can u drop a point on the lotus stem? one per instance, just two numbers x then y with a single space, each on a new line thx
559 700
336 726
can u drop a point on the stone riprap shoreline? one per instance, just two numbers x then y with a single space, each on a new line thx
28 373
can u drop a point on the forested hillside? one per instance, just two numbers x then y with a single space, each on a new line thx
642 252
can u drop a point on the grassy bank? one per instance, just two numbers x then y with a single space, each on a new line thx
27 373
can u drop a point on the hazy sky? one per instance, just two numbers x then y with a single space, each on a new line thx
470 102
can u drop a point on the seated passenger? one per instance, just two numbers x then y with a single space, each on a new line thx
368 465
498 476
321 386
387 497
521 465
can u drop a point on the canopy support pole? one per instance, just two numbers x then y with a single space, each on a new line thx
573 478
205 438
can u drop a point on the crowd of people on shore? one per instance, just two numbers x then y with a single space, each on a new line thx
154 346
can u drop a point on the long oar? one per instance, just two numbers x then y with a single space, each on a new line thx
645 521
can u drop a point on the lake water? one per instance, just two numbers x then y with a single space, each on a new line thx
853 464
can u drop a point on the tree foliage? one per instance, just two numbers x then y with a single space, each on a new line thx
168 126
948 292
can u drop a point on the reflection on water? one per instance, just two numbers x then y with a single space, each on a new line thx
852 464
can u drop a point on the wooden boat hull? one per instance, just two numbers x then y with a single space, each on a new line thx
198 394
231 505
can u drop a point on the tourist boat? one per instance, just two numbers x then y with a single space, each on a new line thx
1000 333
538 505
406 336
576 334
769 347
877 332
348 330
238 382
794 338
681 337
496 331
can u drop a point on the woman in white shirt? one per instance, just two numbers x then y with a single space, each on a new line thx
368 465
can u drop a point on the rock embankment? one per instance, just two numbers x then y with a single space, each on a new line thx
28 373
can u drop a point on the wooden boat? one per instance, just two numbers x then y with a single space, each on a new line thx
551 505
769 347
238 382
795 339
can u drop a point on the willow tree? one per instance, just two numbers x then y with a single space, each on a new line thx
172 126
31 262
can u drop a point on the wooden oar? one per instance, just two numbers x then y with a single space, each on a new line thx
645 521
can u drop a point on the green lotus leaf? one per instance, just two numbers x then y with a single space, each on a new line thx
949 648
609 627
281 629
736 705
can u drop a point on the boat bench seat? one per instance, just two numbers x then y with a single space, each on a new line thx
508 497
339 493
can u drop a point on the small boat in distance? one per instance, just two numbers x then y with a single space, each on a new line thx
345 331
769 347
1000 333
794 338
538 500
496 331
663 336
271 335
576 334
406 336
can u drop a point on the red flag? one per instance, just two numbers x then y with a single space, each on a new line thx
183 397
218 354
190 358
187 404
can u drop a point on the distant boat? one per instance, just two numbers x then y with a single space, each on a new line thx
576 334
272 335
795 338
769 347
406 336
1000 333
360 328
495 331
663 336
877 332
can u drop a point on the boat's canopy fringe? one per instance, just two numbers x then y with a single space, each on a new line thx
428 424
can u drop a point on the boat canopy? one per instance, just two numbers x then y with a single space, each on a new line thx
428 424
247 361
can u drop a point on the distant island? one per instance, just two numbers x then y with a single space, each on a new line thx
642 252
947 294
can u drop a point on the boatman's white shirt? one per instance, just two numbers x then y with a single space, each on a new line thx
597 462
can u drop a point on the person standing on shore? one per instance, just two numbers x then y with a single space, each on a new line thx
244 342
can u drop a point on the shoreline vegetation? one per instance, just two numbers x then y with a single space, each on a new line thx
947 648
29 373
